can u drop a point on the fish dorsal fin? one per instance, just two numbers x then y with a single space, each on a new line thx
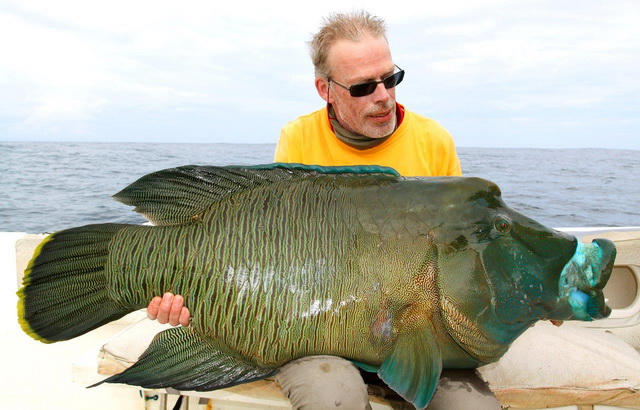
177 195
186 360
414 365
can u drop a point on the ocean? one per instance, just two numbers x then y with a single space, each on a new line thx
48 186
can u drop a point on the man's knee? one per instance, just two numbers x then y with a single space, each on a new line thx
323 382
328 382
461 390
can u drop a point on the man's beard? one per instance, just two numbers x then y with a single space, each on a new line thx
366 127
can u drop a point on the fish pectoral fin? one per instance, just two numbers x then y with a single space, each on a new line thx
413 368
366 367
186 360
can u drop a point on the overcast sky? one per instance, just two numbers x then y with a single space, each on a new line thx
548 74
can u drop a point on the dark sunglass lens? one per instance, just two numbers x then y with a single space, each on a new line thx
360 90
394 80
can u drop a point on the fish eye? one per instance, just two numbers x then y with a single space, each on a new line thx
502 224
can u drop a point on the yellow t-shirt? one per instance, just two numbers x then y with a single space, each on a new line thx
419 147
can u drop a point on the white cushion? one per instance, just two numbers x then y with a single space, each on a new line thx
125 348
551 366
547 366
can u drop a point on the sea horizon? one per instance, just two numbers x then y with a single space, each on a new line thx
52 185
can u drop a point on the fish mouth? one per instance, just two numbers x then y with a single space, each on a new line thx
584 277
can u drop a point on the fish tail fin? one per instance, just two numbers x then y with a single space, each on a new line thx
65 292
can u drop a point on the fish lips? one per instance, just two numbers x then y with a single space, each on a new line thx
609 257
584 277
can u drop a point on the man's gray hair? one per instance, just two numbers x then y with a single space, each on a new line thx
342 26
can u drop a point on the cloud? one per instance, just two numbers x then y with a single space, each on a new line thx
74 67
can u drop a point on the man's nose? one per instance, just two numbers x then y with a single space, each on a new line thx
381 93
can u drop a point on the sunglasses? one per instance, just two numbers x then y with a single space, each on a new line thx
362 89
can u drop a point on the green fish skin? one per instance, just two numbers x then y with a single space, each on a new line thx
403 276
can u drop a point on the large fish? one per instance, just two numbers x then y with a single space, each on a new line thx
403 276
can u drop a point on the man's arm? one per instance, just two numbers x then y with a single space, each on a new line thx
289 148
169 309
450 158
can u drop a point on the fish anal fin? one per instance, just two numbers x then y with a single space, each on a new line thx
186 360
413 366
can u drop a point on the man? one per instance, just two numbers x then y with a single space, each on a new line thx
361 124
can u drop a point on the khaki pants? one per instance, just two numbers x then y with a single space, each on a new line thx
328 382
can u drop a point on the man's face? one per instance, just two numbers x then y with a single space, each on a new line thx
372 115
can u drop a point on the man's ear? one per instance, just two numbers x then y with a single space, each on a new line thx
322 86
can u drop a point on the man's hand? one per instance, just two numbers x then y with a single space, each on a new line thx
169 309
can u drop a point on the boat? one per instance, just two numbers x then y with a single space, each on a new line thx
576 366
